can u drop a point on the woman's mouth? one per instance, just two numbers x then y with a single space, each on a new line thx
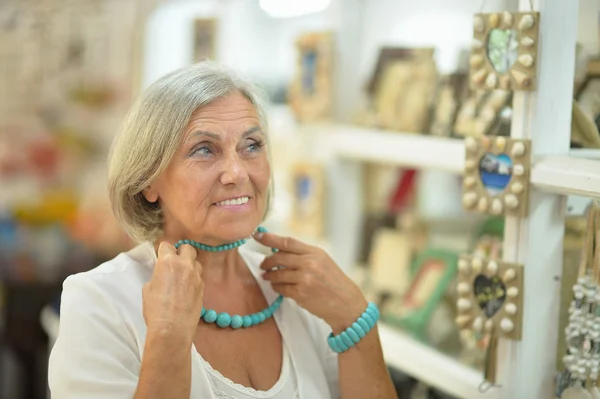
233 202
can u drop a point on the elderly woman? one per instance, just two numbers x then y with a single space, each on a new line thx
190 312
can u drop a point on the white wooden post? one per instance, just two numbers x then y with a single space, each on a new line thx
526 368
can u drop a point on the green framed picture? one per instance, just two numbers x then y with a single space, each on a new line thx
434 270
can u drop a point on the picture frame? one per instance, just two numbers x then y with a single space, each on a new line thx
588 94
504 51
496 176
390 261
490 296
480 112
450 93
404 95
388 55
434 270
311 92
204 39
308 189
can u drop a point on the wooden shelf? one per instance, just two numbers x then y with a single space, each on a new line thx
576 174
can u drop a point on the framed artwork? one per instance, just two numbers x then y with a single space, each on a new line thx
388 55
204 39
434 271
311 91
496 177
389 262
479 113
504 51
588 94
404 94
490 296
451 92
308 181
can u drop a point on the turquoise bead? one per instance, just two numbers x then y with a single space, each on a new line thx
363 323
255 319
368 319
210 316
247 321
236 321
203 312
358 330
373 313
332 343
268 312
353 335
347 339
261 317
223 320
341 344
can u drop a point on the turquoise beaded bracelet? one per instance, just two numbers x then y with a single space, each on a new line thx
357 331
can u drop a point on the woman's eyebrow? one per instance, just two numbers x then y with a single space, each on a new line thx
217 137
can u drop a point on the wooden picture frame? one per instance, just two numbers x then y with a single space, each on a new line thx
504 51
588 94
451 92
496 177
434 269
388 55
390 261
480 112
204 39
308 188
490 296
311 92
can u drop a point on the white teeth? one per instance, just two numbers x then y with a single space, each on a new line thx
236 201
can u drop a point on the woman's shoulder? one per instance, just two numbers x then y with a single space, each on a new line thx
120 279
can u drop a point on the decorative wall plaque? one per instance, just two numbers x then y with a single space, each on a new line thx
490 296
496 177
504 51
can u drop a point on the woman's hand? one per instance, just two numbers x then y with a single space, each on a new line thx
172 299
311 278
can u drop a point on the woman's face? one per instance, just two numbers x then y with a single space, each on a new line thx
215 189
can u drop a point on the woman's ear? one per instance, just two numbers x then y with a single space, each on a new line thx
150 194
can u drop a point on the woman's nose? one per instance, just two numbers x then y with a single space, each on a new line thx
234 171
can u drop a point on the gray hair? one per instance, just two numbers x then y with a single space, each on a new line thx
152 132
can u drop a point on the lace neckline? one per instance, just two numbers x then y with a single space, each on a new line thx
274 390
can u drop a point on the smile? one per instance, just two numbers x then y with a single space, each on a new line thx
233 201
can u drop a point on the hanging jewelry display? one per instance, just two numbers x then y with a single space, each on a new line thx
490 296
582 361
496 177
504 51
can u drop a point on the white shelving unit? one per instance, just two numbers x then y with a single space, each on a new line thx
526 368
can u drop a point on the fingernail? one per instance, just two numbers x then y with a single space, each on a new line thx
258 235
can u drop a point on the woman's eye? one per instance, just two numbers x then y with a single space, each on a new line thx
254 146
204 150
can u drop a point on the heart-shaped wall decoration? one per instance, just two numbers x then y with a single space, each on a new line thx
495 172
490 294
502 49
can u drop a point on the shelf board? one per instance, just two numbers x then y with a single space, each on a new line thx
403 149
567 175
576 174
430 366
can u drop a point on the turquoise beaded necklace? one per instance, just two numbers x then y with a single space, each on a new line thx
223 319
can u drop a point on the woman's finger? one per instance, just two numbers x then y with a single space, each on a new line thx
282 259
283 276
187 252
287 244
165 248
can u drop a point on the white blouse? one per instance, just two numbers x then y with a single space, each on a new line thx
102 333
